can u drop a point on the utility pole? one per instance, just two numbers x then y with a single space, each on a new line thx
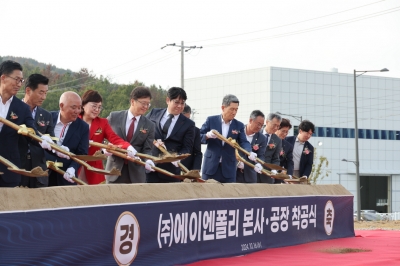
182 50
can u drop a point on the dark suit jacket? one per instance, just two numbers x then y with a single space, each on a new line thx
77 140
18 113
44 124
180 141
193 162
142 141
274 146
286 156
258 145
306 160
215 150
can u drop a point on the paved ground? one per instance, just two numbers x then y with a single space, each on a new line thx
372 225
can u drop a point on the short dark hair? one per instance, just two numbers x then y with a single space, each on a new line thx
187 109
176 93
256 113
90 96
34 80
8 66
306 125
285 123
140 92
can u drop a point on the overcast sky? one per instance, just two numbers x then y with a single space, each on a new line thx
122 39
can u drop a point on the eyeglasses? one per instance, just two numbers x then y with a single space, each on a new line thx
18 80
97 107
144 103
177 103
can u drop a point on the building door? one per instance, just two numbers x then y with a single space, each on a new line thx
374 193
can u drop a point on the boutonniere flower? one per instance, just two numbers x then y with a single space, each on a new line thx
282 153
256 147
235 131
98 131
271 146
41 123
13 116
306 151
143 130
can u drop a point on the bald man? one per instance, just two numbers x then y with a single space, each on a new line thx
73 133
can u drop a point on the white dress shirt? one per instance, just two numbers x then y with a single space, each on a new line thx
297 151
60 130
225 128
249 137
173 122
128 122
4 109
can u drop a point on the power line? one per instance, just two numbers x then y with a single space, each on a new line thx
290 24
384 12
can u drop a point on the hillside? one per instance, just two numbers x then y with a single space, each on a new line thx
115 96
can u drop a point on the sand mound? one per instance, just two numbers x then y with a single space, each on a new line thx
70 196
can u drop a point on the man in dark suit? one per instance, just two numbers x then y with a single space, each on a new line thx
286 153
174 130
219 159
303 151
258 142
274 145
71 132
31 155
141 137
13 109
193 162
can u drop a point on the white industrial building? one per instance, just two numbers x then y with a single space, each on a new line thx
326 99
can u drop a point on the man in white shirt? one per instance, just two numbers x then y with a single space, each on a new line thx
132 126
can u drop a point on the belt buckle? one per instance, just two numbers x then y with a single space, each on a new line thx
28 156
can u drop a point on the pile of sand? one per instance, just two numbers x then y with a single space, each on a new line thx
70 196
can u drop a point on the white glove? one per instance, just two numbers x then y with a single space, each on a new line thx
62 155
131 151
149 164
45 145
274 172
176 163
160 143
211 135
240 165
70 173
258 168
290 177
105 152
46 138
252 156
304 176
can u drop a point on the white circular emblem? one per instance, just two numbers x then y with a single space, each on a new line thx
329 216
126 238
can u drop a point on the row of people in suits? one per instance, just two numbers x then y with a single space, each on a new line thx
268 142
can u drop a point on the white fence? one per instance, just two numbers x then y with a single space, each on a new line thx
394 216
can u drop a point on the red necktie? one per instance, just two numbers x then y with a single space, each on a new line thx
131 129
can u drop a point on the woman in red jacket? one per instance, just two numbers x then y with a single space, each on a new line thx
100 129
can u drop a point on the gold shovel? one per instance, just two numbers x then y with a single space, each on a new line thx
54 166
158 169
191 173
163 159
35 172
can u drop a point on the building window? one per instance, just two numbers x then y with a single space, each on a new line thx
295 130
376 134
338 132
345 133
329 132
384 134
397 135
352 133
368 134
321 132
361 133
391 135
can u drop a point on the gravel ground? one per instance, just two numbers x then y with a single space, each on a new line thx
371 225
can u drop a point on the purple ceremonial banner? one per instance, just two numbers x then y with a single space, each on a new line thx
170 232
